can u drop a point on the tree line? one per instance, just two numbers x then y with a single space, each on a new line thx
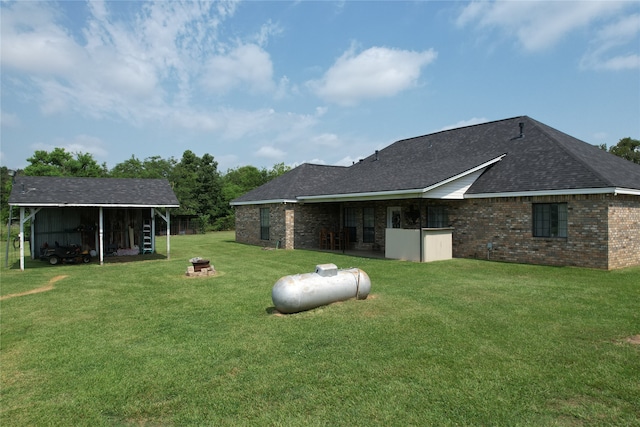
201 189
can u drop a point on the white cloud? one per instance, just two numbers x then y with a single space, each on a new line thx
9 119
600 136
347 161
329 140
374 73
79 144
139 69
537 25
463 123
246 65
267 31
609 50
270 152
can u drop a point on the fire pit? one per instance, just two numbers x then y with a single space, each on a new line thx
199 263
200 268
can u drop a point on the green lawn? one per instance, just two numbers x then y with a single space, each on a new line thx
458 342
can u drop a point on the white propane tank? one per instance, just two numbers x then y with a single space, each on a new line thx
327 284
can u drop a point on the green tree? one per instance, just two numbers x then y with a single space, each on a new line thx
151 167
62 163
6 183
239 181
196 183
627 148
277 170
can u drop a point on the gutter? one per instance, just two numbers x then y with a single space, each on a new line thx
566 192
264 202
87 205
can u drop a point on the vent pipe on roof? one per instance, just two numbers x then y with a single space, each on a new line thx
521 124
377 157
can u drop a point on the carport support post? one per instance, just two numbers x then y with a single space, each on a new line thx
21 235
167 219
101 235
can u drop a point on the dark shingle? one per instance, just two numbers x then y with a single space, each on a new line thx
304 179
46 190
543 159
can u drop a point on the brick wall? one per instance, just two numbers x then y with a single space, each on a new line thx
506 223
310 219
248 225
603 230
624 232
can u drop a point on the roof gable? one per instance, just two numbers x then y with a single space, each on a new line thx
70 191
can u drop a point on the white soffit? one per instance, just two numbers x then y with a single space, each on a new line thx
453 190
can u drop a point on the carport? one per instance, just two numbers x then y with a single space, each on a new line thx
101 214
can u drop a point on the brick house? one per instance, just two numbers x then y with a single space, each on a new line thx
512 190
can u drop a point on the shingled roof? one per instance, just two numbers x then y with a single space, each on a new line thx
43 191
515 156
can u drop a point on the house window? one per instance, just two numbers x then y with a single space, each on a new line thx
437 217
368 225
350 223
550 220
264 223
394 220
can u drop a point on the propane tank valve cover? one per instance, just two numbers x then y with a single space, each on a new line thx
327 270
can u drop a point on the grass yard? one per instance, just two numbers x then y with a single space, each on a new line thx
458 342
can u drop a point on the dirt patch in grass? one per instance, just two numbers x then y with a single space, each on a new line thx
45 288
633 339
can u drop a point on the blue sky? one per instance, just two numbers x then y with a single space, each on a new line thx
328 82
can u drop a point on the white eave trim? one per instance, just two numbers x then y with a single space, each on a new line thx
395 194
264 202
87 205
567 192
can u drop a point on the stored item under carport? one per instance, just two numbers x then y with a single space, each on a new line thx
65 254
